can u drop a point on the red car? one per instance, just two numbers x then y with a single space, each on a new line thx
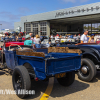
7 44
13 43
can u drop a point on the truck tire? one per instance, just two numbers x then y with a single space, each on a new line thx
21 80
87 70
68 80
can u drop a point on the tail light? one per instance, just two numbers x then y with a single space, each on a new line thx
36 79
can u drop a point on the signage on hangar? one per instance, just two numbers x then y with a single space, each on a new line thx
72 11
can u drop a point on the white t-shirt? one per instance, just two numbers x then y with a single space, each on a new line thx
84 38
37 40
56 37
51 36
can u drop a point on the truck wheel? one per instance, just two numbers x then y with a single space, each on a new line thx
21 80
68 80
87 70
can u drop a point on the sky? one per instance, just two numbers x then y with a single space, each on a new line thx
12 10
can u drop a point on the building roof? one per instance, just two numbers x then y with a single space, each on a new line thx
88 9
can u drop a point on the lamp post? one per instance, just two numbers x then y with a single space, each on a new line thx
1 27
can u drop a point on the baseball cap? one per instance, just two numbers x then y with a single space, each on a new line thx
92 34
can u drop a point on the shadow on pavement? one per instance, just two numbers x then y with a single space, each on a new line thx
2 73
58 90
39 86
98 75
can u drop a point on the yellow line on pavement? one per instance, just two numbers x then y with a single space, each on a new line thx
45 96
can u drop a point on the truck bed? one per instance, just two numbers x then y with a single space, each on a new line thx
51 64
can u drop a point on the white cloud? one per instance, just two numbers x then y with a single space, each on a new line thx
75 1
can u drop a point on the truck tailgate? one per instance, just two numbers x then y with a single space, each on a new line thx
63 64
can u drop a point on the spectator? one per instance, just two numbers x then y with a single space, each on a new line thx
84 38
50 39
32 38
28 41
30 34
6 38
37 41
19 38
51 36
60 36
56 37
78 38
75 38
91 40
13 37
95 37
66 37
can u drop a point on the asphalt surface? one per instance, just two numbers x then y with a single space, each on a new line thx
79 90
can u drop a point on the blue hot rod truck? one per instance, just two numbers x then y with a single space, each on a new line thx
25 63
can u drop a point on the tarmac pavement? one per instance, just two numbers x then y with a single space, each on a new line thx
79 90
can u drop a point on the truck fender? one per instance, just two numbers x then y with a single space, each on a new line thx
90 55
38 74
31 67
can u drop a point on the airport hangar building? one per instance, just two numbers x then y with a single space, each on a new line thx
71 20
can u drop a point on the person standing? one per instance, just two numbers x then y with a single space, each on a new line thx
56 37
50 39
6 38
19 38
75 38
30 34
37 41
84 38
32 38
91 39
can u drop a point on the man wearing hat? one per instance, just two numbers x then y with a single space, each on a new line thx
28 41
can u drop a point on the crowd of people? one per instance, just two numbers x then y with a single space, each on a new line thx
85 38
32 40
35 40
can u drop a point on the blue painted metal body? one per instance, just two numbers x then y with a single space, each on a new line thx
53 63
